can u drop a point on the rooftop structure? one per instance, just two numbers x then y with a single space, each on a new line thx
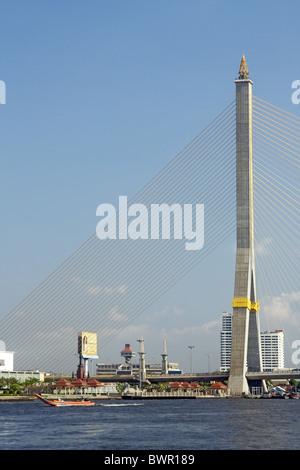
243 70
127 353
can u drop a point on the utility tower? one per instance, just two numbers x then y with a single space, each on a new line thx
245 348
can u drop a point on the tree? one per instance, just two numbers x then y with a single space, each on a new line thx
119 387
10 385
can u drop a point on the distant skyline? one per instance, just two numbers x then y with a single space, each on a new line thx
99 97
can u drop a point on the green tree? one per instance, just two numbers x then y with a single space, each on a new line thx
119 387
10 385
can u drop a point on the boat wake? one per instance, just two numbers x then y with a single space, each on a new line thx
123 404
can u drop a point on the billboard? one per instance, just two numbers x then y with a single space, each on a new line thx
87 344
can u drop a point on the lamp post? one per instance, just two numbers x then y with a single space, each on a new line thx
191 349
142 368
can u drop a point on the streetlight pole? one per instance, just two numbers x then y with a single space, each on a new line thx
191 349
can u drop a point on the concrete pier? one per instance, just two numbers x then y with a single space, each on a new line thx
245 349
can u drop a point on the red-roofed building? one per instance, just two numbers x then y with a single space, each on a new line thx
63 386
94 383
79 383
175 385
80 387
63 383
185 385
218 388
195 385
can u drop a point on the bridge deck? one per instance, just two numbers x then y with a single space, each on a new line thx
202 377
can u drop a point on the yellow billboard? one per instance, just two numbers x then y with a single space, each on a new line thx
87 344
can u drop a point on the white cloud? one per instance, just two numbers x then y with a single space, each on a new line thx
168 311
197 331
284 307
262 247
115 314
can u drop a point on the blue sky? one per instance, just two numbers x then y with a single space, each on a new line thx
99 97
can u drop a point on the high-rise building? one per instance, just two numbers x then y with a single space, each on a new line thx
225 340
272 347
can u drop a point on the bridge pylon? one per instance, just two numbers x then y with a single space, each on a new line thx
245 344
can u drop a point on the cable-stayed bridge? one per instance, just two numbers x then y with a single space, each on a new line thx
106 284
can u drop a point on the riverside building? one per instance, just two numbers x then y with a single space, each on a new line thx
115 368
272 347
225 340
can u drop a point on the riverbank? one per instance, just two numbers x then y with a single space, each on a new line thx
160 396
15 398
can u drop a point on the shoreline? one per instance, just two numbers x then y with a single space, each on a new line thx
117 397
34 398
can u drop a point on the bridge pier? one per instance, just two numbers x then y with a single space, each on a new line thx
245 347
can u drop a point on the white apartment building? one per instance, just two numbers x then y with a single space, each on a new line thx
225 339
272 350
6 358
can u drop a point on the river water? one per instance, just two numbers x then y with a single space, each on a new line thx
203 424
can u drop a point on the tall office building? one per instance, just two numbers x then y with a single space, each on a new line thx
225 339
272 347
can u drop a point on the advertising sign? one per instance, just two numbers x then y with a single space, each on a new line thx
87 344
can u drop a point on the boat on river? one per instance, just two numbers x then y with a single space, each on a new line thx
60 402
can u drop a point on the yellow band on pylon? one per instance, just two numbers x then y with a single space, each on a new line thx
240 302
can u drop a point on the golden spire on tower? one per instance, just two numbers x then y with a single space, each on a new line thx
243 71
